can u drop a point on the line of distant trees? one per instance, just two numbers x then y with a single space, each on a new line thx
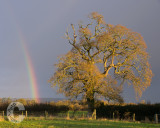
61 105
104 108
32 105
21 100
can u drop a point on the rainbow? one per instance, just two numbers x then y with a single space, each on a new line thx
30 68
28 61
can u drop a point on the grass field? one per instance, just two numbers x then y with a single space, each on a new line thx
75 124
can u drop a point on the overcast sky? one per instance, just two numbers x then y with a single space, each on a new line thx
43 24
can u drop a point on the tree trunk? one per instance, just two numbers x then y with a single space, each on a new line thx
90 103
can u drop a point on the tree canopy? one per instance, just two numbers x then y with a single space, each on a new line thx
103 58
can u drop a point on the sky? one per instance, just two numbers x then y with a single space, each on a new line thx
35 28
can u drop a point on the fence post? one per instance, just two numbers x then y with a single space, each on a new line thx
46 114
134 117
3 114
83 115
26 114
113 115
94 114
68 115
156 118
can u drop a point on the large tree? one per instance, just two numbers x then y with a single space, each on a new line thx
103 58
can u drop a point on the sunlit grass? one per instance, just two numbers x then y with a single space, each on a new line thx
75 124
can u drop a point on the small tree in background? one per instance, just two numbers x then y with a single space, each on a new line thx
23 101
103 57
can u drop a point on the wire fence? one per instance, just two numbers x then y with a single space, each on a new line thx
81 115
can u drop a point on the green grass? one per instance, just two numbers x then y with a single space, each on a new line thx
75 124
